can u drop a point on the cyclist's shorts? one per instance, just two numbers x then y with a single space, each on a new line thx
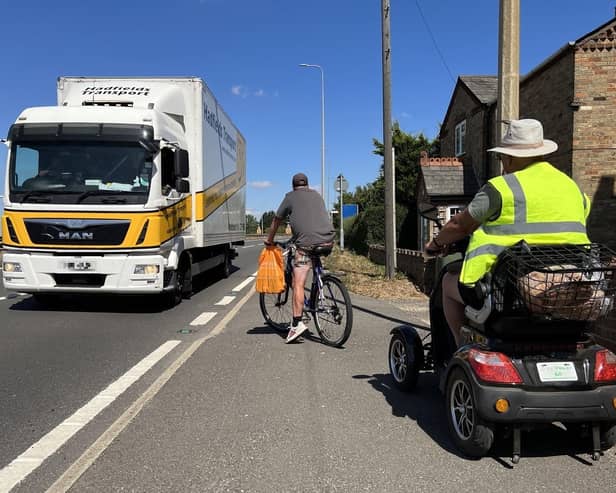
301 260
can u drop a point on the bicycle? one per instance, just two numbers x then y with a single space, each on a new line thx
329 303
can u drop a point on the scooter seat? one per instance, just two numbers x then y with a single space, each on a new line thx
511 327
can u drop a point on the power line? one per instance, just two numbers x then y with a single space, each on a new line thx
434 41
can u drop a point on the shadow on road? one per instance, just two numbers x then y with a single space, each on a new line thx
388 317
426 407
309 335
109 303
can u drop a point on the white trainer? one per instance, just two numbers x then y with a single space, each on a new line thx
295 332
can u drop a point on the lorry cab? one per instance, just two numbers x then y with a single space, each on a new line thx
116 188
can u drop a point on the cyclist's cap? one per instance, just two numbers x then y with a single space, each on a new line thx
300 180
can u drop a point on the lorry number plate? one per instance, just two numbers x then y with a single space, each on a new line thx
80 265
557 372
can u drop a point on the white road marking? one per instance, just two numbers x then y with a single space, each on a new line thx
204 318
2 298
32 458
226 300
243 284
81 465
255 274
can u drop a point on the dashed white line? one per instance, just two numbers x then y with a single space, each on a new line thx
74 472
243 284
226 300
204 318
2 298
32 458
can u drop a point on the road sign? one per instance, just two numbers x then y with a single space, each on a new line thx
350 210
341 184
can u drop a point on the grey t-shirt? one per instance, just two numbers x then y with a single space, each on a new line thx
486 204
308 217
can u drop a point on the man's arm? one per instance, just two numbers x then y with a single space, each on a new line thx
458 227
272 231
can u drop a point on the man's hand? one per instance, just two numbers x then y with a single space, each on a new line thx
432 249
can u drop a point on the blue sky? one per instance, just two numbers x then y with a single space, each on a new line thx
248 53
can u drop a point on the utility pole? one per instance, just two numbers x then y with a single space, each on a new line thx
389 175
508 104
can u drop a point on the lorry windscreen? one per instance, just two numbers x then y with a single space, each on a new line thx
69 172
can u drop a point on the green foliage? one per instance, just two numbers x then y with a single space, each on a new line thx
268 217
251 224
369 226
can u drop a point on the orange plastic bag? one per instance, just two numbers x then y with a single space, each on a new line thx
270 276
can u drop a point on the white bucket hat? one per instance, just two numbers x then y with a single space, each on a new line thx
524 138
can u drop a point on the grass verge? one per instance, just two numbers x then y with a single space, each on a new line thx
361 276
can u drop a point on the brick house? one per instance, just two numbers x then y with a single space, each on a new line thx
573 93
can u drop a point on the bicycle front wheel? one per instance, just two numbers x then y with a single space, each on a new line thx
333 312
277 309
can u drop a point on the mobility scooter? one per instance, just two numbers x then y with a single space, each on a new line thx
528 357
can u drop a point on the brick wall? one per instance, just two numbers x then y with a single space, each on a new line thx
594 145
546 94
411 262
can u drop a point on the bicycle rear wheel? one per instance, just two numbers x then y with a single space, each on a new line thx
333 312
277 309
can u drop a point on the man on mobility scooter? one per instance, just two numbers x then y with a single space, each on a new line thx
510 323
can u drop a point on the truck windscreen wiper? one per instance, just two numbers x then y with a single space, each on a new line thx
92 193
42 196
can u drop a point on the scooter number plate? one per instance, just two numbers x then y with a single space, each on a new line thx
557 372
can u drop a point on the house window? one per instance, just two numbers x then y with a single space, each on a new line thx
452 210
460 138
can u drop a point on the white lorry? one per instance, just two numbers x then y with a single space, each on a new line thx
128 185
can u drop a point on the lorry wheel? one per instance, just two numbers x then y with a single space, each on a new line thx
473 436
225 267
182 284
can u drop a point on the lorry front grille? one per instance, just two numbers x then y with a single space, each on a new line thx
78 232
79 280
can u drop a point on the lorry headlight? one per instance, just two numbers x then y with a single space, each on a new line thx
11 267
147 269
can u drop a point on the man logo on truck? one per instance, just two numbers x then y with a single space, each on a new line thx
76 236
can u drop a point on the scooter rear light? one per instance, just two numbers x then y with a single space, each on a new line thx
493 367
605 366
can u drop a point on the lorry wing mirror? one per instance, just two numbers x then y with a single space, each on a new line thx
181 163
182 186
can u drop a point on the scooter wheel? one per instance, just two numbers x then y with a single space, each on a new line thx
473 436
405 360
608 436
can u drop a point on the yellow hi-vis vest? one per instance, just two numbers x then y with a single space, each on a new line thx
540 205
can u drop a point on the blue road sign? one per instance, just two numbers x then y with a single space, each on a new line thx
349 210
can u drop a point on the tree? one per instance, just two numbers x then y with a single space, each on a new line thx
369 226
267 219
251 224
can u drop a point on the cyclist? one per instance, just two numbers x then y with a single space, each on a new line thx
310 227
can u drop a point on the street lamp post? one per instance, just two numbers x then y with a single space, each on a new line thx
341 186
323 182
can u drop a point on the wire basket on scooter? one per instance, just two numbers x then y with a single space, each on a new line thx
573 282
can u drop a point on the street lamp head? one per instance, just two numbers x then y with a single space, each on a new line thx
310 65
